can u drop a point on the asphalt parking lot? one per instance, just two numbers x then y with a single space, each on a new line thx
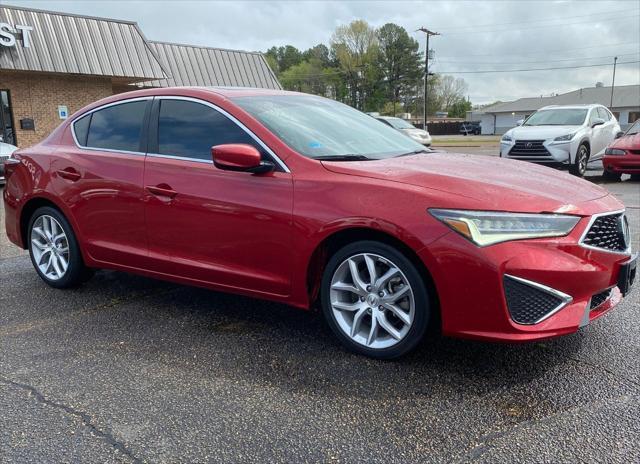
128 369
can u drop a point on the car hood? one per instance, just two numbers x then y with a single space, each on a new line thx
540 132
627 142
495 184
419 132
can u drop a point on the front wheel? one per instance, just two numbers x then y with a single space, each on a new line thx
612 176
54 249
374 300
579 166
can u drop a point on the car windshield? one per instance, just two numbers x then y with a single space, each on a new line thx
400 123
635 129
557 117
317 127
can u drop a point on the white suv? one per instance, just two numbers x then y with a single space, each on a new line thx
567 135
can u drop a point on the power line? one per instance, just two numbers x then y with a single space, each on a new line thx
475 27
546 26
535 69
533 62
623 44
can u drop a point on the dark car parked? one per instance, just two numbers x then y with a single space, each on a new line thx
471 127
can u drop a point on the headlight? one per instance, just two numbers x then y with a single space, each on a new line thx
487 227
507 138
564 138
614 151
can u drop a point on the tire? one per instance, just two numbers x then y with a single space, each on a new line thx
612 176
635 177
347 304
579 165
51 243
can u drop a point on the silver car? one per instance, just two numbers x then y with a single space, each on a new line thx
419 135
5 152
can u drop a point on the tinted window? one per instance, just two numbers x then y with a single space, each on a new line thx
81 129
190 129
117 127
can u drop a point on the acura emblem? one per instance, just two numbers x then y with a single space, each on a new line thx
624 226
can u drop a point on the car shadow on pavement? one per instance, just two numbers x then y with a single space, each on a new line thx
251 339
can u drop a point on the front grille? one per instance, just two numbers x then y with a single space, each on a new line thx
529 148
610 232
530 304
3 157
599 298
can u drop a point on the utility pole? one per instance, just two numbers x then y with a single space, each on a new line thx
428 33
613 83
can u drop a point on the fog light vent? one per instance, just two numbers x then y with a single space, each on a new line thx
599 298
530 302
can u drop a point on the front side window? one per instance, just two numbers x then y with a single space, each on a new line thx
557 117
117 127
317 127
604 114
189 129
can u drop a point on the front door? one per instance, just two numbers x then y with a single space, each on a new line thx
231 229
101 181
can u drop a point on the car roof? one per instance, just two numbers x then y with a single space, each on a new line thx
584 106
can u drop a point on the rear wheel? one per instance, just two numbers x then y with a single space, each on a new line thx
374 300
54 250
579 166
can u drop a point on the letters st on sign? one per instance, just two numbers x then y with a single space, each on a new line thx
8 35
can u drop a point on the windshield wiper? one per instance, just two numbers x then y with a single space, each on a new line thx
346 157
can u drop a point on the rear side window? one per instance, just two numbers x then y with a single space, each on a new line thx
81 129
190 129
117 127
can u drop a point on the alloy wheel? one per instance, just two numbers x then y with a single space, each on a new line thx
372 300
50 247
582 159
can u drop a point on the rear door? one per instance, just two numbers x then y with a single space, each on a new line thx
228 228
100 179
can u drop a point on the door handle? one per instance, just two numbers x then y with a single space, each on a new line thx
162 190
69 174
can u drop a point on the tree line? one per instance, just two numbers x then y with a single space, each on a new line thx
370 69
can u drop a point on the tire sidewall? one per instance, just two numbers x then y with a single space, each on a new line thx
76 269
576 165
421 298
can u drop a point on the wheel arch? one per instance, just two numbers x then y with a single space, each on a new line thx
31 206
339 238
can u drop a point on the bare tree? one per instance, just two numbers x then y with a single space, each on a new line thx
451 90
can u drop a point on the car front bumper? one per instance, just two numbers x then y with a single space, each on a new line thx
624 164
555 152
472 285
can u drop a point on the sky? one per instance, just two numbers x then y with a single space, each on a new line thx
475 36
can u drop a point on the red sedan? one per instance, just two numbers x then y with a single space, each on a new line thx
306 201
623 155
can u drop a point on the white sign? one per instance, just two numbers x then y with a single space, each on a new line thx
8 35
63 112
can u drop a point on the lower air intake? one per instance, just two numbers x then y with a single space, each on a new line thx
529 302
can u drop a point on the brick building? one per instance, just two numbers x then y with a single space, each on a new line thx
52 64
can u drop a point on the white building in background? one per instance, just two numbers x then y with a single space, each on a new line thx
499 118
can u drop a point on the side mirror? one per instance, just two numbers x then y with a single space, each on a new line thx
619 134
239 157
597 122
520 122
